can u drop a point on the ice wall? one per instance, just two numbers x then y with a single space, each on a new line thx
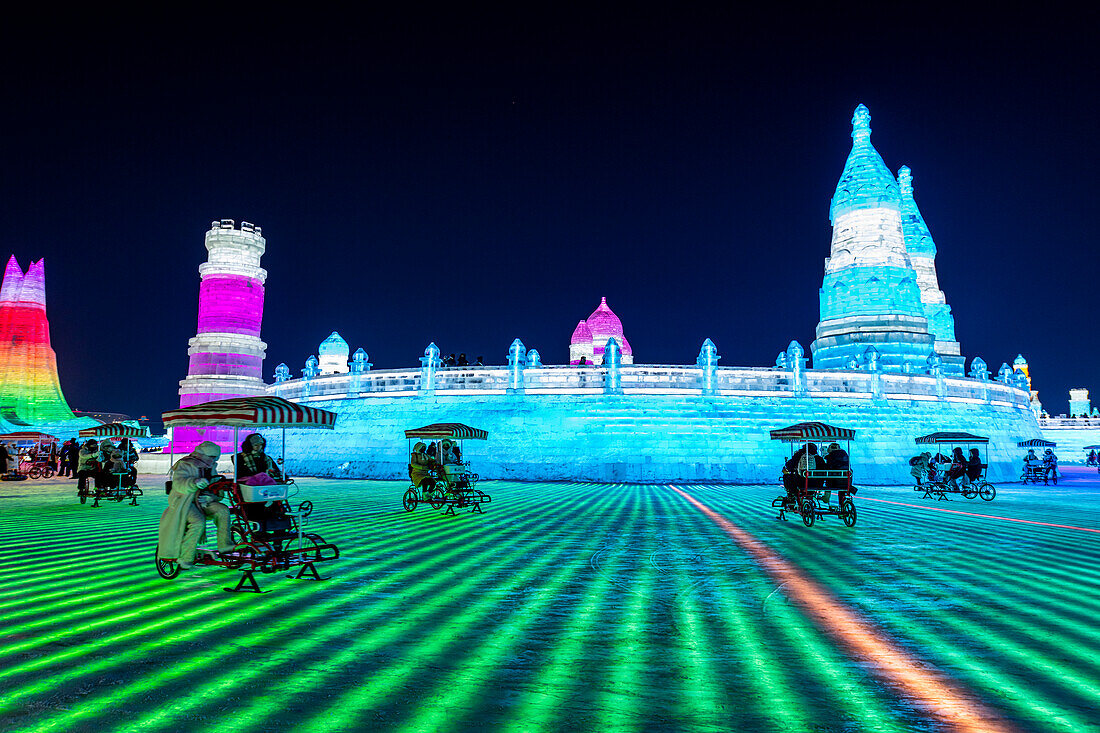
566 424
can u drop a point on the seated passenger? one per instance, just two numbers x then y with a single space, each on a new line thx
183 524
1050 463
920 466
129 458
974 466
254 466
958 467
1031 461
811 461
88 464
419 464
836 459
792 482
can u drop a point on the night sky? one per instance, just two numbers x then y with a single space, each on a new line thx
467 180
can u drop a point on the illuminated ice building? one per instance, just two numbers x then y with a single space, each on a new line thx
225 358
886 363
30 393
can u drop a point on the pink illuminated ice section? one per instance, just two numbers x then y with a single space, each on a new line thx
591 335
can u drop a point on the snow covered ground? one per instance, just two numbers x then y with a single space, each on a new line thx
566 606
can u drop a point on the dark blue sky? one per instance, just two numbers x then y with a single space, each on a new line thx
471 179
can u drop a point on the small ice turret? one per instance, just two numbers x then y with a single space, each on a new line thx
282 373
312 368
978 369
334 352
517 361
359 363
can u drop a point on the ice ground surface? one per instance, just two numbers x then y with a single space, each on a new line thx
564 607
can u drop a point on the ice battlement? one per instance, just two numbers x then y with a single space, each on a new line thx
655 379
230 224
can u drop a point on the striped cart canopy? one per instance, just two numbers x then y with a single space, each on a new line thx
250 412
115 430
1036 443
811 431
454 430
938 438
28 437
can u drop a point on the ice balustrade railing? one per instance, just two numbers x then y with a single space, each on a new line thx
656 378
1069 422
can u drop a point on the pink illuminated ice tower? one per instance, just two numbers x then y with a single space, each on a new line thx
226 355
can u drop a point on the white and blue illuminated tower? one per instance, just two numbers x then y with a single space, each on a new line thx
870 295
922 254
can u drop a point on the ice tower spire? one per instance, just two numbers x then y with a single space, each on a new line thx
869 295
922 253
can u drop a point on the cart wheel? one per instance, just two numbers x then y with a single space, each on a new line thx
49 472
806 509
987 492
34 473
83 494
848 512
168 569
1054 479
409 500
317 541
969 493
436 498
238 534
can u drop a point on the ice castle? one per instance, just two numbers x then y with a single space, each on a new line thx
885 363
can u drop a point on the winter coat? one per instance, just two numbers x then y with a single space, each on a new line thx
190 475
88 460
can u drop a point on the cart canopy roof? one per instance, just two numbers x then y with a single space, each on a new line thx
454 430
1091 447
115 430
810 431
251 412
1036 443
937 438
28 436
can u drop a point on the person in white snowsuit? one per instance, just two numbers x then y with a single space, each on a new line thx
183 524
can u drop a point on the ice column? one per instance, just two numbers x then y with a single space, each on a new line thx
517 360
612 359
226 354
429 363
707 361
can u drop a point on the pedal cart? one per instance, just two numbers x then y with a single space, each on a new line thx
269 535
807 490
25 449
112 486
1090 456
1038 472
439 475
938 485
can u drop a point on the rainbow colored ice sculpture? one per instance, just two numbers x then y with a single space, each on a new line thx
30 392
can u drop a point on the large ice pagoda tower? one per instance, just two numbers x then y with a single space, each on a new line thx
870 297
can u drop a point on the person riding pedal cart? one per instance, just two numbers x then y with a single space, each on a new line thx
183 524
254 466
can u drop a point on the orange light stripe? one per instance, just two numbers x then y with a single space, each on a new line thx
914 680
983 516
